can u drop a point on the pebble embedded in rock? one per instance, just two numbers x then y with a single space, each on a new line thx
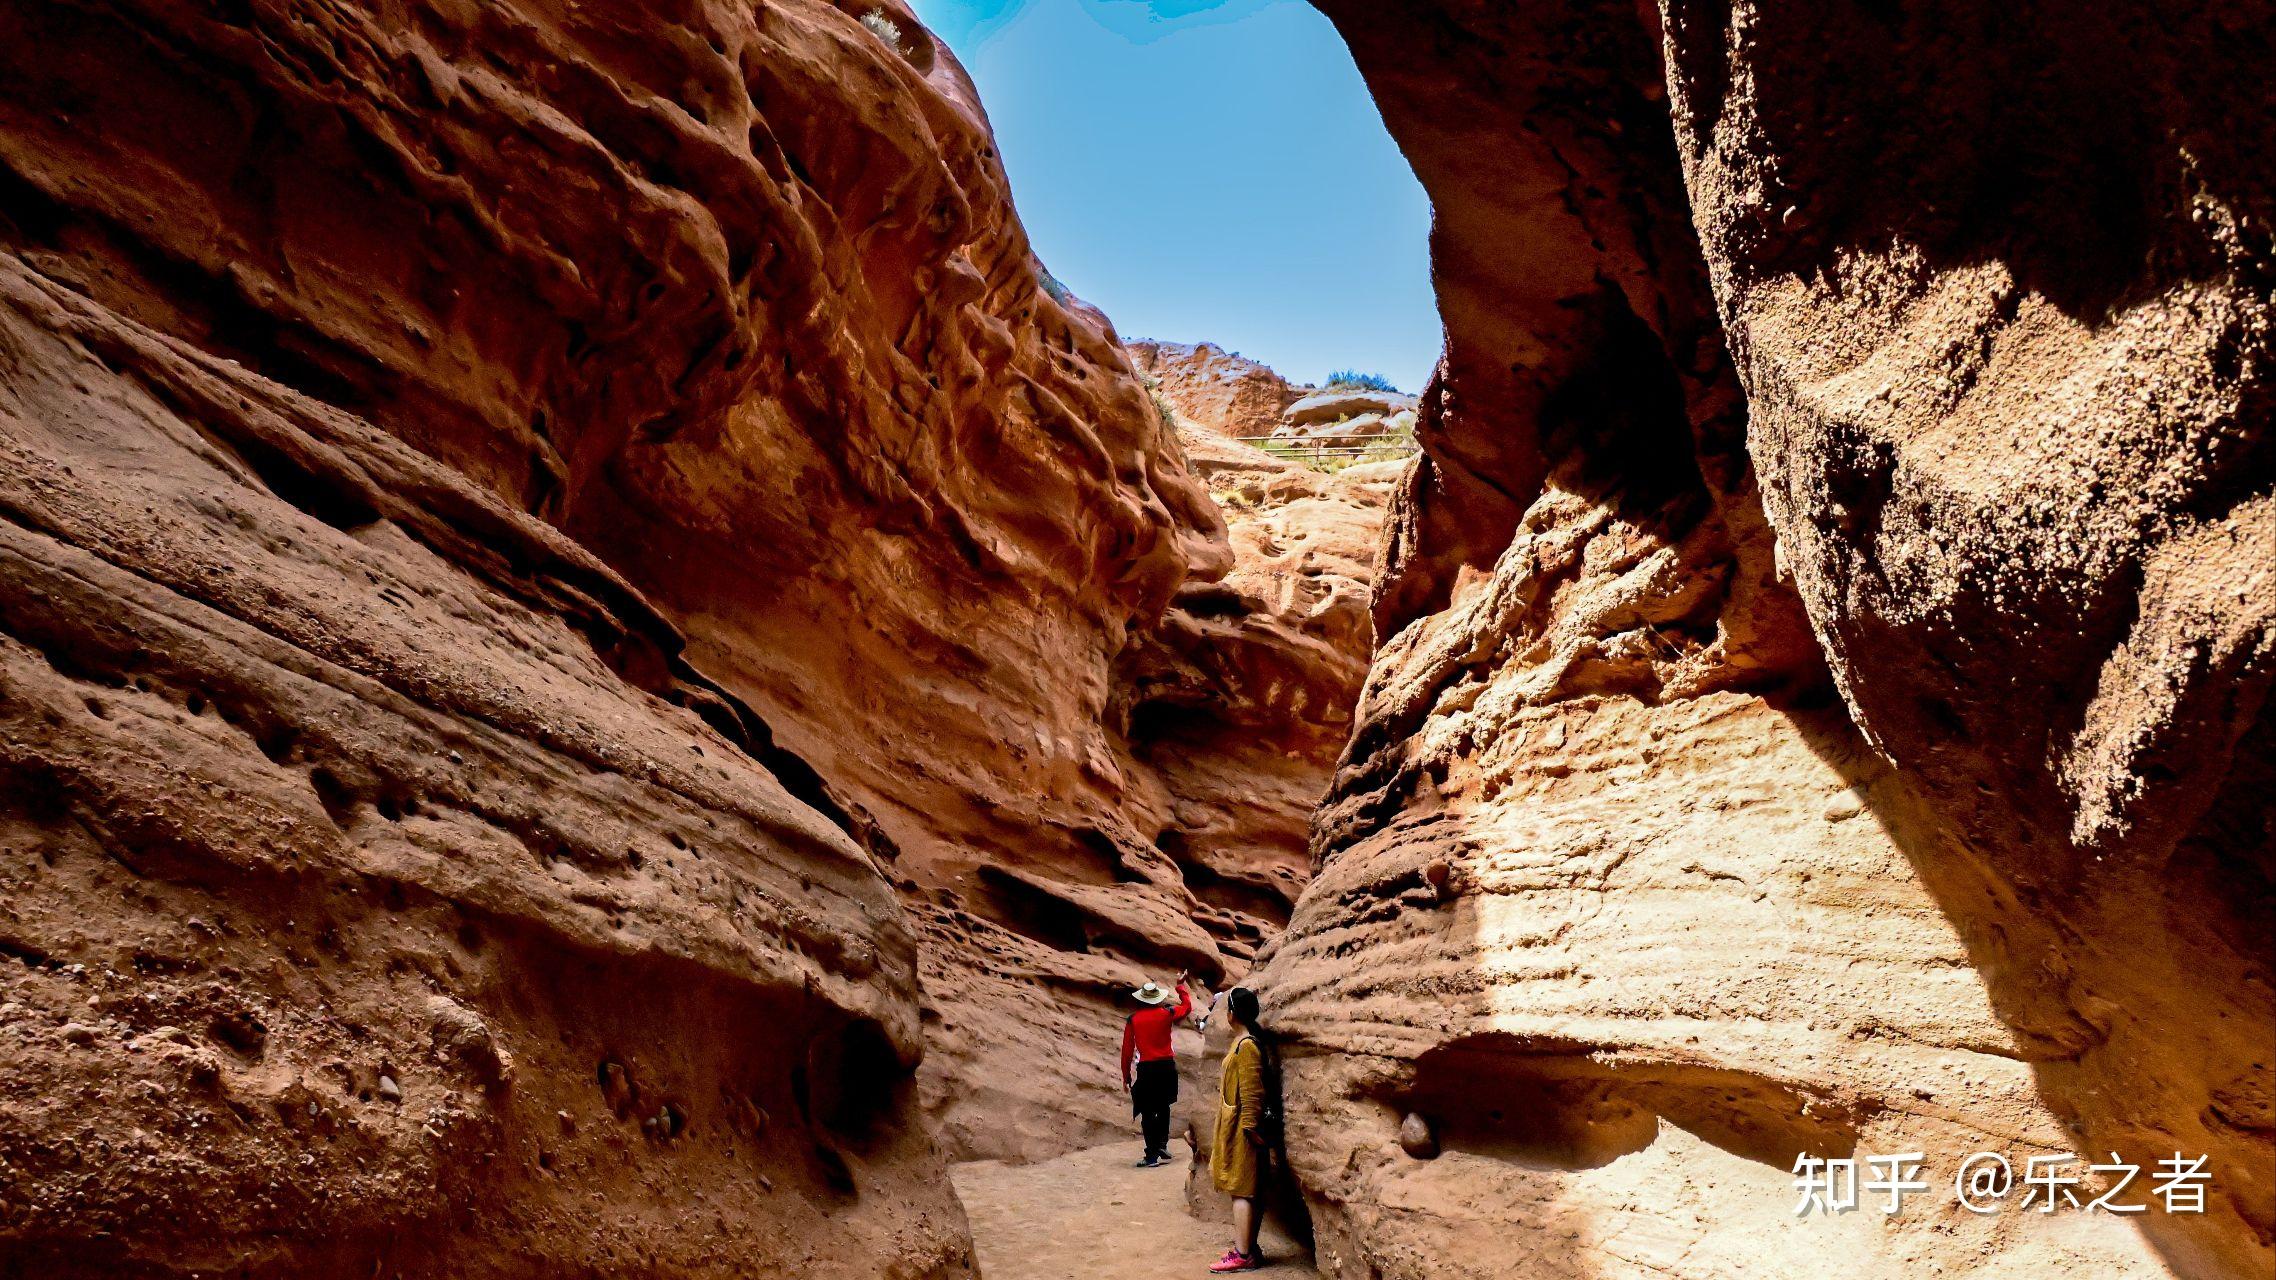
1417 1138
616 1086
1440 876
463 1034
390 1090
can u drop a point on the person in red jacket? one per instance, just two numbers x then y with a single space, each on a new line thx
1150 1065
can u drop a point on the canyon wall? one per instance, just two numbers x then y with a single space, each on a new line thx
1225 721
1221 724
382 891
558 560
593 675
1252 679
1236 706
1820 708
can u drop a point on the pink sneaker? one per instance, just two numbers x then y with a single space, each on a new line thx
1235 1260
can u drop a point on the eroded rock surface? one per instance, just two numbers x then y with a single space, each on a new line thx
1873 764
1248 687
1340 404
1233 710
376 893
1218 390
2015 434
527 526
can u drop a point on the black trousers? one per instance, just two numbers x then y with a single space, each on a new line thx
1154 1090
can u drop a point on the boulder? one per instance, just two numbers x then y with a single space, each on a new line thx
1357 427
1331 405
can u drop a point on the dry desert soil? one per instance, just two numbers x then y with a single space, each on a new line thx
1091 1214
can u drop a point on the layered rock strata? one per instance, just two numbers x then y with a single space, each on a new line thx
1233 710
382 890
528 526
1874 764
1251 681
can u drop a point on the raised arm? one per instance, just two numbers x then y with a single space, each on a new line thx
1185 1003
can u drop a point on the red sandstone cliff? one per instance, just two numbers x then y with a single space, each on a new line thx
1228 716
554 563
1218 390
523 527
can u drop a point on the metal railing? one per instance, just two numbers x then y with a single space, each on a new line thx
1384 448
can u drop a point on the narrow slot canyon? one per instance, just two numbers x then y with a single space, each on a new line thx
601 674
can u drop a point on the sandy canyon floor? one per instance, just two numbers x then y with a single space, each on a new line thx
1091 1216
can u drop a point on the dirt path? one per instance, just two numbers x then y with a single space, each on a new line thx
1090 1216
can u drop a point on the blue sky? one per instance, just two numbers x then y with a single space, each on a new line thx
1208 170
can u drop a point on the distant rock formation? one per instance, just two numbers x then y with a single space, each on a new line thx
1214 389
1854 744
1341 404
1229 395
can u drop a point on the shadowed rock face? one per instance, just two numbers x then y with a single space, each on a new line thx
523 527
1876 764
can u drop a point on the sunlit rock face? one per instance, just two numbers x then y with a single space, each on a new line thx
1218 390
1249 684
527 529
1819 708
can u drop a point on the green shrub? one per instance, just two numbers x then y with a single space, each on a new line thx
1354 380
1052 286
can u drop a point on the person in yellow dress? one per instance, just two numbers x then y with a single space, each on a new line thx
1235 1160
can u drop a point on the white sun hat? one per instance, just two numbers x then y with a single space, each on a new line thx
1151 993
